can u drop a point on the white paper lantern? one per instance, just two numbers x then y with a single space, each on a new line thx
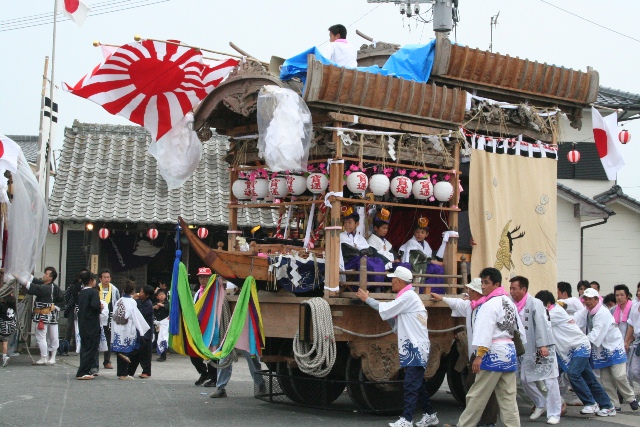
401 187
268 198
422 189
317 182
241 189
357 182
278 187
296 184
260 188
379 184
443 190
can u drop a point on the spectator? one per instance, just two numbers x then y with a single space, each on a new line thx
110 295
161 322
89 308
632 345
564 295
622 308
609 301
8 324
582 285
70 304
595 285
142 357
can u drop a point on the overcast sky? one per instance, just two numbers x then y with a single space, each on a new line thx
531 29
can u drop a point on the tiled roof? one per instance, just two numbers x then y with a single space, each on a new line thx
29 145
578 197
615 194
106 173
627 101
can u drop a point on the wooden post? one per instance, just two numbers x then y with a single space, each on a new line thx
332 236
233 213
363 273
451 252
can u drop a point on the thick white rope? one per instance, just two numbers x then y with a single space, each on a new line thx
317 358
355 334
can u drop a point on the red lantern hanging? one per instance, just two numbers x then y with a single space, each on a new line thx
152 233
573 156
104 233
624 136
203 233
54 228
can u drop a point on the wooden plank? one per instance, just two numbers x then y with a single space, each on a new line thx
385 124
450 261
408 205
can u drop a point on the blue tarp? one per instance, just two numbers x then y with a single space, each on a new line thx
411 62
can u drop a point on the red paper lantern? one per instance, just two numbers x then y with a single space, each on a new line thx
203 233
54 228
573 156
624 136
152 233
104 233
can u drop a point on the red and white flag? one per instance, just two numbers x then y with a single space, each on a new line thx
74 9
605 130
9 153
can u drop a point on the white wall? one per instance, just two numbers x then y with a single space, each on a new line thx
612 250
52 254
568 241
588 187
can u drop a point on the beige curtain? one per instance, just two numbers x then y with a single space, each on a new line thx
512 214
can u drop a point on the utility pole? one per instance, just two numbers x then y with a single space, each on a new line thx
494 23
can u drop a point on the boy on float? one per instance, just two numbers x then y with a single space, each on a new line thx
419 254
379 242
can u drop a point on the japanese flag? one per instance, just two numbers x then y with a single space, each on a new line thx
604 133
74 9
9 153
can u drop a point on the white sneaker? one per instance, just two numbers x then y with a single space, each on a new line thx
537 413
590 409
42 361
5 360
428 420
52 359
604 412
553 420
401 423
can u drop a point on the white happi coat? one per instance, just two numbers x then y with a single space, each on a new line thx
534 367
573 305
413 245
411 323
357 241
569 339
493 328
607 346
124 338
462 308
382 245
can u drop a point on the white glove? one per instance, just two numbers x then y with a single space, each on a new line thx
448 234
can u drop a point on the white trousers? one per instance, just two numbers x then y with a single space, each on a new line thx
47 338
553 401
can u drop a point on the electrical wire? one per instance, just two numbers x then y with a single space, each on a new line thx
589 21
353 23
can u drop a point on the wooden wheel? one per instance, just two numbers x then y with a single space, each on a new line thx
383 398
434 383
457 380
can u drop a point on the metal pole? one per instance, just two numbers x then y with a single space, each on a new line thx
53 67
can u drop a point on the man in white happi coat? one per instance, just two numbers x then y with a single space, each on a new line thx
607 347
572 304
495 364
539 361
339 50
573 350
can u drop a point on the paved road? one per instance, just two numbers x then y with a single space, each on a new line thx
50 396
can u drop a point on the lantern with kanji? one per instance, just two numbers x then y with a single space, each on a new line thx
260 188
278 186
379 184
203 233
401 187
54 228
296 185
422 189
573 156
357 182
624 136
104 233
317 182
443 190
241 189
152 233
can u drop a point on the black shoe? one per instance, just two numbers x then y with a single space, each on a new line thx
161 359
218 393
634 405
202 379
210 383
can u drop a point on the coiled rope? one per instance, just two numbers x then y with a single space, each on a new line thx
317 358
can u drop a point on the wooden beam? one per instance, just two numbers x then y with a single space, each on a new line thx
385 124
400 165
332 236
408 205
450 258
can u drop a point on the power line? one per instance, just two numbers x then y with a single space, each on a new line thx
589 21
351 25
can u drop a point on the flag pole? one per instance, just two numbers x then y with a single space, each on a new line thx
51 90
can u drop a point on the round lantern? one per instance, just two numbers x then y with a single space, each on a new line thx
278 186
317 182
296 185
54 228
203 233
443 191
401 187
104 233
241 189
357 182
379 184
624 136
422 189
260 188
152 233
573 156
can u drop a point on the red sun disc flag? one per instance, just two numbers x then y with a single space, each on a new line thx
74 9
153 84
9 153
605 130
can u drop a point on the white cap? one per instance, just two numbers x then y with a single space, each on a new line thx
402 273
591 293
475 284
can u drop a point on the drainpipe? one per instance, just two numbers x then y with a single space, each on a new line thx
604 221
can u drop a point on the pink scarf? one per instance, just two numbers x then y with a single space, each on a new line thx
403 290
520 304
625 315
595 309
496 293
340 41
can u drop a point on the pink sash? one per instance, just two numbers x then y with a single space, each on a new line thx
625 314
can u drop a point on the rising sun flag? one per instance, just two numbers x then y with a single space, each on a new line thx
152 83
